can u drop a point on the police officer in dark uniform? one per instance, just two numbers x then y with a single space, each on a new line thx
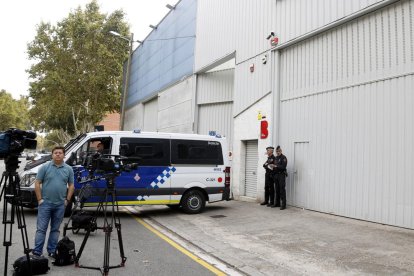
269 179
280 179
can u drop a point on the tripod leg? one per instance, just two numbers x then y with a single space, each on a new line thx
88 232
118 230
4 187
8 227
108 230
12 197
21 224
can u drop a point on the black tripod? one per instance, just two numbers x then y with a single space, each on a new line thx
11 194
109 199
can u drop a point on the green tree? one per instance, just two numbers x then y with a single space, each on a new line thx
13 113
77 75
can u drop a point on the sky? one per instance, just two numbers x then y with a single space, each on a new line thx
19 19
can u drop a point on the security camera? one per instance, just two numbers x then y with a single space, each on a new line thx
270 35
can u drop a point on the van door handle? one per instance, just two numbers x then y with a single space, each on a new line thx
254 173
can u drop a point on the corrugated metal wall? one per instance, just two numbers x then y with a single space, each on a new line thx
370 48
251 86
243 25
215 87
297 17
215 103
176 107
349 94
218 117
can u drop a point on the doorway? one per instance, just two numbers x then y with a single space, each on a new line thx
250 186
301 175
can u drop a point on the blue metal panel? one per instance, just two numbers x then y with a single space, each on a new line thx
166 55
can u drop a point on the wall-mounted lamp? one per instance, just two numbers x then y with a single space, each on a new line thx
153 27
170 7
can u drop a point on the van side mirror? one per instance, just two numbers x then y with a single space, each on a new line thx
123 149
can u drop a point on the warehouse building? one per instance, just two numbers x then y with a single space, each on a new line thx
331 81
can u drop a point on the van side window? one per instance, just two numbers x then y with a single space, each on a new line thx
150 152
196 152
90 147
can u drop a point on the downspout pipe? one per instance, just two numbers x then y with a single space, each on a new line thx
276 97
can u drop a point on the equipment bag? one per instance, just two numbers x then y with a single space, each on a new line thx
82 220
65 252
39 264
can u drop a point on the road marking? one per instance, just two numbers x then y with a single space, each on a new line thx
176 245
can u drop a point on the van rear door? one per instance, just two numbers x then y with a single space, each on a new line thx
197 163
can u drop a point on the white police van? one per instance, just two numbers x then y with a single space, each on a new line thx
178 170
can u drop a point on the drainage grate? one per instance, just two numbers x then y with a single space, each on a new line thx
218 216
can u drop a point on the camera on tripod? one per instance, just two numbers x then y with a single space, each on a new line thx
13 141
99 167
107 164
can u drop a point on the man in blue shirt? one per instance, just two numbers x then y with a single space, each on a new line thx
54 188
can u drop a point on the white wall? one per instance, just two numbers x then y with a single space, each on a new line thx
134 117
150 115
349 93
247 127
241 26
250 87
176 107
215 87
215 103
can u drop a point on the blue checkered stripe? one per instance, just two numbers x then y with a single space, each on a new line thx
163 177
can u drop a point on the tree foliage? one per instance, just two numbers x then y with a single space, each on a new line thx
77 74
13 113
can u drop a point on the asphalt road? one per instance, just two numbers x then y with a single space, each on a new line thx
146 252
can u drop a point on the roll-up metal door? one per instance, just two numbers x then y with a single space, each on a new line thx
250 186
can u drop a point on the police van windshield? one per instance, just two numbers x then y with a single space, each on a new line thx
45 158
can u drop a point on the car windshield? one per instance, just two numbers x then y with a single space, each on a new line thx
47 157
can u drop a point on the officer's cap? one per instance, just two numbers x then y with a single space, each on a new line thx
268 148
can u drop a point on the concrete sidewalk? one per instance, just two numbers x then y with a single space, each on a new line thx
258 240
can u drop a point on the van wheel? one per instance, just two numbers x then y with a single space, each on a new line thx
68 209
193 202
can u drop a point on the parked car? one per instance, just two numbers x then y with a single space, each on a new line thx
39 156
30 156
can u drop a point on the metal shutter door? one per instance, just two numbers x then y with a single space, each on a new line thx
250 186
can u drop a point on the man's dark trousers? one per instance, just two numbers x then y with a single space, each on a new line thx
280 189
269 188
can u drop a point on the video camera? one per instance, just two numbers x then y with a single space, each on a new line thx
13 141
107 164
